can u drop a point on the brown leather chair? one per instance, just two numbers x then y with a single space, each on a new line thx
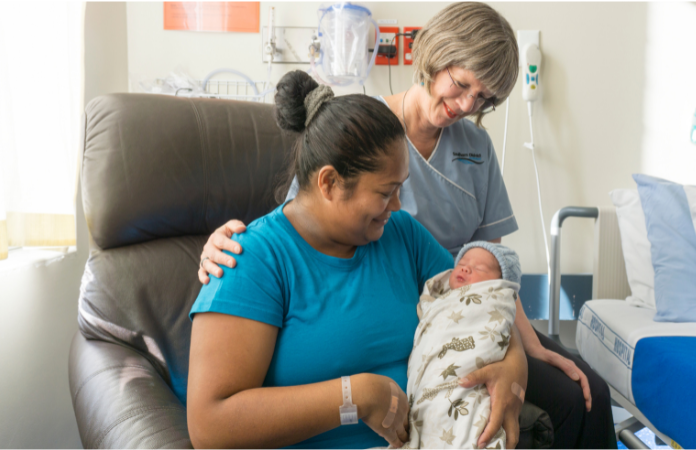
159 174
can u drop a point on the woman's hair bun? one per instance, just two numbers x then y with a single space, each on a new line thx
291 90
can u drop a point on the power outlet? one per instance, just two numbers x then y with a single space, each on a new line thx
387 47
408 45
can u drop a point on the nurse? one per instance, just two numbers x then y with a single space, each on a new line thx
466 64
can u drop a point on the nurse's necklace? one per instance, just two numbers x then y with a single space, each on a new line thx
403 103
403 116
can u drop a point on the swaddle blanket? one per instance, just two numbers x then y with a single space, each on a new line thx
460 331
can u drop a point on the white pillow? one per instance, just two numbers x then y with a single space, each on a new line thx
636 247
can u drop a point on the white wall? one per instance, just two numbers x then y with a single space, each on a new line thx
40 304
588 128
670 94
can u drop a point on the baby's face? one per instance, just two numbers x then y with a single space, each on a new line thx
476 265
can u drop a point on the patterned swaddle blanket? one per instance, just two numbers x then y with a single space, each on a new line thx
460 330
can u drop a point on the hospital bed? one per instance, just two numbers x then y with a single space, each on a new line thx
649 366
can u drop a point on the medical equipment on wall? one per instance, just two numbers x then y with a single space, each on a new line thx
270 46
531 64
342 50
693 129
530 59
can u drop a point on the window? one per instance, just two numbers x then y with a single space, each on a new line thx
41 101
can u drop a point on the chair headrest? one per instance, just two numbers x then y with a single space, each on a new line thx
160 166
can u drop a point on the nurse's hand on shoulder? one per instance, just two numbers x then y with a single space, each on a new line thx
388 418
213 255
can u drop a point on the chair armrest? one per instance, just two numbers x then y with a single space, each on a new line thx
120 401
536 428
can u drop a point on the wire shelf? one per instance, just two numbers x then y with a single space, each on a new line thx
234 90
227 90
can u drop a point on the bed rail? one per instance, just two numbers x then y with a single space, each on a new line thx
609 269
555 275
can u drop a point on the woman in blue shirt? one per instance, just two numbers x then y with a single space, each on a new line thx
327 287
466 63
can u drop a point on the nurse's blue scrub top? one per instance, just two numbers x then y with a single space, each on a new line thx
458 194
335 316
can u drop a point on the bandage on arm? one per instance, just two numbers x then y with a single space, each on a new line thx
517 390
389 418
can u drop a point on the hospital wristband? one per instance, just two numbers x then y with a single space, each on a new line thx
349 412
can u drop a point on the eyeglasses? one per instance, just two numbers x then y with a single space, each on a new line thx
481 104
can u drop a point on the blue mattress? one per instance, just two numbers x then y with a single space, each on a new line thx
664 385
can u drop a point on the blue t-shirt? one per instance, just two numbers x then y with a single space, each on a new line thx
336 316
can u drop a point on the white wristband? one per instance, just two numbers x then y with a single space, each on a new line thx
349 412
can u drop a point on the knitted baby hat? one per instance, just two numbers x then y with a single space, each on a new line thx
507 258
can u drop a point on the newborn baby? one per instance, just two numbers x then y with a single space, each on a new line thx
465 318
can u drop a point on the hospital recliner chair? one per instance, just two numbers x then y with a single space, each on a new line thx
158 175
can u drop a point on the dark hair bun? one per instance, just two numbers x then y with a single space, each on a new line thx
290 111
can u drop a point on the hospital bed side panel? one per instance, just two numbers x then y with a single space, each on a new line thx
597 344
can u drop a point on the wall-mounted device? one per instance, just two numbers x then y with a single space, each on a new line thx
341 55
270 47
388 47
530 60
531 68
288 45
409 37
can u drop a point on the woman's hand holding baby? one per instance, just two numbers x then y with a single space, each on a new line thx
386 416
212 251
499 378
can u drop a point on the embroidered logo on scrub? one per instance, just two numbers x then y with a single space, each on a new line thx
467 158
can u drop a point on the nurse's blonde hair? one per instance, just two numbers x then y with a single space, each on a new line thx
472 36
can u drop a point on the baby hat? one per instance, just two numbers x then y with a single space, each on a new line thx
507 258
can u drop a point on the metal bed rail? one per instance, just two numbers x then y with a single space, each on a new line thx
555 276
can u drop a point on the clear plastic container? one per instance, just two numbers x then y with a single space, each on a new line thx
343 32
